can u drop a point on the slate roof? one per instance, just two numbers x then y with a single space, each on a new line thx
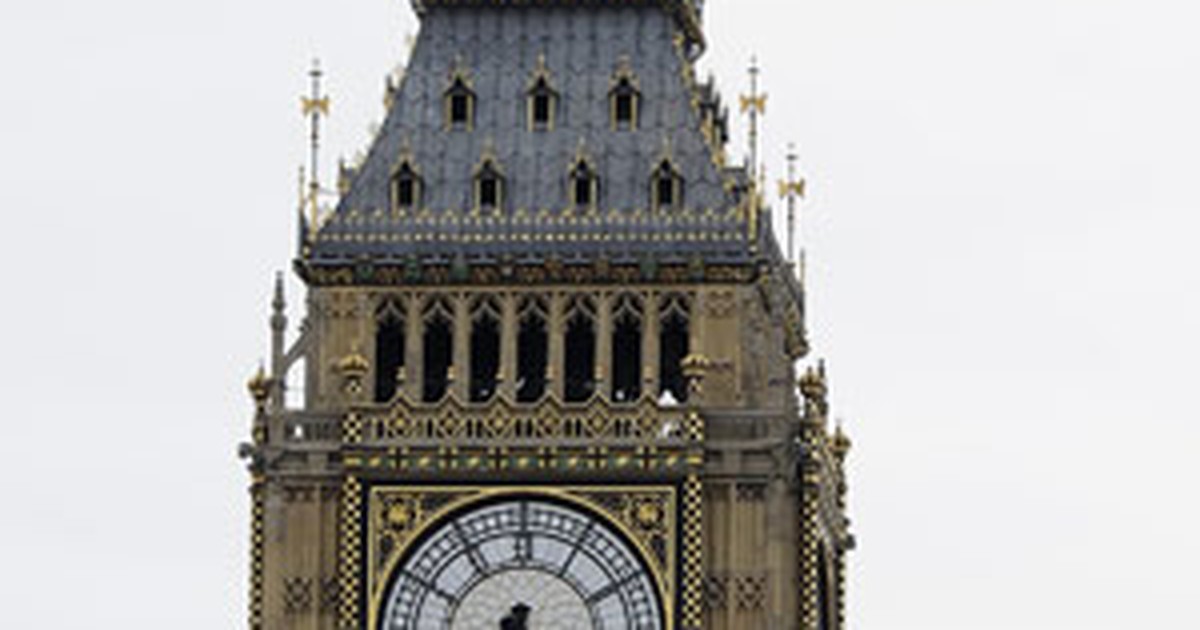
582 47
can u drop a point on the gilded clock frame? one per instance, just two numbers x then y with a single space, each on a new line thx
394 513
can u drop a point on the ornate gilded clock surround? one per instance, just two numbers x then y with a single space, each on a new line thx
648 517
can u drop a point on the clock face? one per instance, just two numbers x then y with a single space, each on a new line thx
523 564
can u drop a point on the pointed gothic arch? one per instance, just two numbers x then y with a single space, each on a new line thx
541 99
459 101
627 317
533 345
579 361
674 342
624 98
405 186
583 184
438 343
485 349
666 186
489 187
389 349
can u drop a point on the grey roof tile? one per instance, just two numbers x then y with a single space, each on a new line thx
499 49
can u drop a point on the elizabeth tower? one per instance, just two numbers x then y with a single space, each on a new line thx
548 354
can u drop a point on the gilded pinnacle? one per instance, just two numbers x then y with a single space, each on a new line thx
259 385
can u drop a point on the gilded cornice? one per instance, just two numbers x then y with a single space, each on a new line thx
416 273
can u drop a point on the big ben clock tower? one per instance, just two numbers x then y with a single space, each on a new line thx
548 354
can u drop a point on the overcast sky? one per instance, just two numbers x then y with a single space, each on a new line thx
1001 236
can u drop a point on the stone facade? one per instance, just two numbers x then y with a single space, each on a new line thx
713 458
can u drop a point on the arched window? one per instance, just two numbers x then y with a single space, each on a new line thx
624 97
542 105
627 350
666 187
389 350
584 185
405 188
532 351
489 187
485 350
674 342
624 105
579 371
439 351
459 105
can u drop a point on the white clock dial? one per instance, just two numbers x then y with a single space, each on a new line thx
523 565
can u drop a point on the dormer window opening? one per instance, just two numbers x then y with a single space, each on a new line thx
541 110
665 194
406 189
584 186
406 193
625 106
666 187
460 106
460 109
543 102
583 191
489 187
542 99
489 192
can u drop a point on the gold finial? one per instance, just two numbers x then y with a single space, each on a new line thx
488 156
314 106
460 73
756 105
667 152
541 72
812 383
581 152
792 189
840 443
259 386
624 72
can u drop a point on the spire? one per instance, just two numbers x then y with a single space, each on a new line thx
791 189
315 107
278 303
756 105
278 339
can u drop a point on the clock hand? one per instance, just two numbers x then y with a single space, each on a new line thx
518 619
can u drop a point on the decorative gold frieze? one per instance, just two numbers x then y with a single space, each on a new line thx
692 600
350 555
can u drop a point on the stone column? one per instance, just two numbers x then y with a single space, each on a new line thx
557 337
650 346
604 333
461 368
509 331
414 348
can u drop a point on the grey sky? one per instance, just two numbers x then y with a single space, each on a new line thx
1003 278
